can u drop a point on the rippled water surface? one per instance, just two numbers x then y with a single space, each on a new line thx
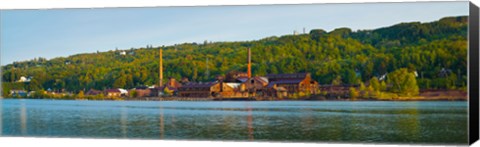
297 121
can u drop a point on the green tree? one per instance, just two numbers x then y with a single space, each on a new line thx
167 91
403 82
133 93
375 84
353 93
383 86
337 81
120 82
80 94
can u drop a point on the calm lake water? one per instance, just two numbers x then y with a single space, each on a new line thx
291 121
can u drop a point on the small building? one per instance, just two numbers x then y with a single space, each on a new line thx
113 92
143 91
156 90
93 92
18 93
209 89
24 79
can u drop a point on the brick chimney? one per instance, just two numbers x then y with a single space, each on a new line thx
161 70
249 60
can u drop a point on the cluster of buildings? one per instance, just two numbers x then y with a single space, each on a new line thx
232 85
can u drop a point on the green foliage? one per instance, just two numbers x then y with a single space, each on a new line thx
337 81
403 82
383 86
80 94
168 92
375 84
39 94
133 93
353 93
339 56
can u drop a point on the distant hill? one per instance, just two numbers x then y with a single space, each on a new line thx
436 50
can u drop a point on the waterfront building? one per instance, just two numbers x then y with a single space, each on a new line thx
293 83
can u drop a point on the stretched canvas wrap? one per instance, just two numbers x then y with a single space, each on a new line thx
400 73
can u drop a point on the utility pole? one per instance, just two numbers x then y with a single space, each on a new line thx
207 73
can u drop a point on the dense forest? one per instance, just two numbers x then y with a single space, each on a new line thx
435 51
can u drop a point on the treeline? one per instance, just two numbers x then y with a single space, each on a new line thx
435 51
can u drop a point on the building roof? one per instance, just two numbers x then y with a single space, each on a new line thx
93 92
273 77
113 91
199 85
264 80
242 79
123 91
141 87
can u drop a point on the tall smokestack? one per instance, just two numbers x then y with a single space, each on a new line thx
249 60
161 69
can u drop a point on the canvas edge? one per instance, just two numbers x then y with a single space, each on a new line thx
473 92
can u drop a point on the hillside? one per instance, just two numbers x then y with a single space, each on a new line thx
429 48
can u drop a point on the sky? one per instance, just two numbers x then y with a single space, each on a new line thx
50 33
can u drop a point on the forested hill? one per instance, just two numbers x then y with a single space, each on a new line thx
436 50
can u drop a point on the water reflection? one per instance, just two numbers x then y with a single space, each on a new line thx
23 119
172 123
124 121
432 122
162 125
308 121
250 123
410 123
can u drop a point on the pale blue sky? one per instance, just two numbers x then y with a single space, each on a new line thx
26 34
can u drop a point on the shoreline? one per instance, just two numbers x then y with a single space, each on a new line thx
254 99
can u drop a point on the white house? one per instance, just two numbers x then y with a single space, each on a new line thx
24 79
123 91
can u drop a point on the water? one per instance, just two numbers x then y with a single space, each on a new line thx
291 121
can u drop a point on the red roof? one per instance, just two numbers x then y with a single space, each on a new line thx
93 92
112 91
